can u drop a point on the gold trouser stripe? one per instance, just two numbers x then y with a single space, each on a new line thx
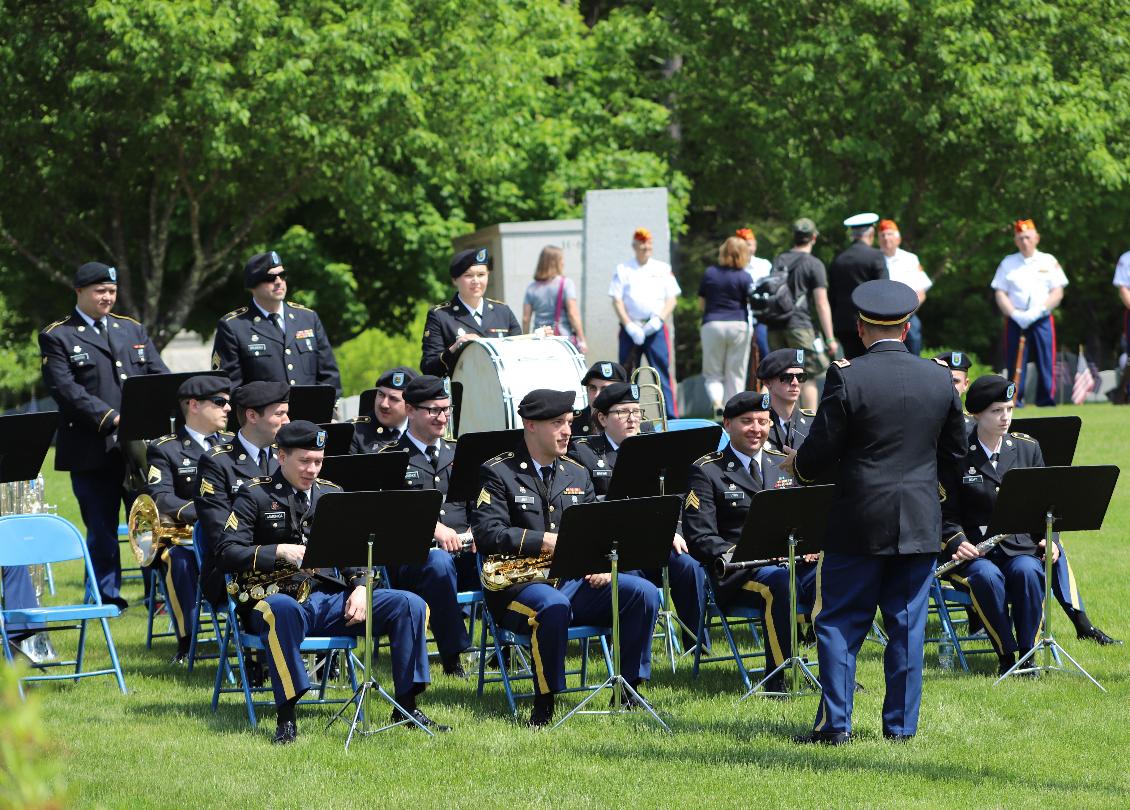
977 607
531 618
171 592
276 649
770 627
1073 589
818 602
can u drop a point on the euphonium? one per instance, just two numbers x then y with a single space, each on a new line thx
148 535
500 571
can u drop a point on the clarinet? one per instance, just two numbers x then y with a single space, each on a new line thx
467 540
721 568
982 547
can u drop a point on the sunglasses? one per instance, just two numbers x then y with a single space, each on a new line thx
788 378
220 402
277 277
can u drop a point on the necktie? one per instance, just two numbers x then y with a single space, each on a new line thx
276 319
755 471
98 326
264 459
433 454
478 318
994 458
302 501
547 475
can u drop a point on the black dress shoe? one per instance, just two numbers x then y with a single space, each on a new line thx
453 666
1096 635
116 601
1005 663
898 737
823 738
542 714
420 718
285 733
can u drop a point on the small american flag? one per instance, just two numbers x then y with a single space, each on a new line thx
1084 380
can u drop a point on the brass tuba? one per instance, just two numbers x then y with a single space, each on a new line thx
500 571
148 535
653 407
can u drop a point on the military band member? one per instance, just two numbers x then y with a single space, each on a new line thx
266 531
428 402
518 512
390 419
272 339
1010 577
600 374
171 481
261 409
617 410
86 358
719 494
469 315
1028 287
782 373
892 421
959 364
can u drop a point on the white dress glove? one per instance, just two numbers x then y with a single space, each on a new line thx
635 332
1022 319
653 325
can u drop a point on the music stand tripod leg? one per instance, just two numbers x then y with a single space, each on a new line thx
1047 642
616 681
360 723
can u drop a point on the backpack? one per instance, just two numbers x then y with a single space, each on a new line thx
771 298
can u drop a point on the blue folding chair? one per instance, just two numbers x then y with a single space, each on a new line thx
41 538
158 600
519 644
235 642
202 610
712 615
944 597
128 574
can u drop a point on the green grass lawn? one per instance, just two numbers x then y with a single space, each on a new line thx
1057 742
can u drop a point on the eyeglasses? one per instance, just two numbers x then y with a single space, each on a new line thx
629 413
277 277
434 413
788 378
220 402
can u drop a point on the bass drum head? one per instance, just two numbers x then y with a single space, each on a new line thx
496 373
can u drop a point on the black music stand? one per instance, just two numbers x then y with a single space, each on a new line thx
340 537
1040 499
778 524
655 464
367 472
149 404
314 403
593 539
366 401
24 441
339 435
1058 436
471 451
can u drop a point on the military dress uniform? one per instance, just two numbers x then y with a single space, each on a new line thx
893 422
720 491
513 510
789 433
449 320
598 456
223 472
437 580
269 511
248 347
857 264
84 367
172 482
370 436
1011 574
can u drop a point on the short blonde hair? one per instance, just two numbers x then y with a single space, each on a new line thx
551 263
734 253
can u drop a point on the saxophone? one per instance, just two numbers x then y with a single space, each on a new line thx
249 587
501 571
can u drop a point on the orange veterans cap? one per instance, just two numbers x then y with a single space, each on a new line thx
744 233
888 225
1023 225
641 235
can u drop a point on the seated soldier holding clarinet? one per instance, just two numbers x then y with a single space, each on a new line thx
517 514
262 546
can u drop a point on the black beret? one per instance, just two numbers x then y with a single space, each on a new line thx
258 267
958 361
615 394
260 394
301 435
987 390
203 386
545 403
95 273
883 302
464 260
397 378
605 370
777 362
426 387
745 402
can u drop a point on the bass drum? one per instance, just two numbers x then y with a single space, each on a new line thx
497 372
